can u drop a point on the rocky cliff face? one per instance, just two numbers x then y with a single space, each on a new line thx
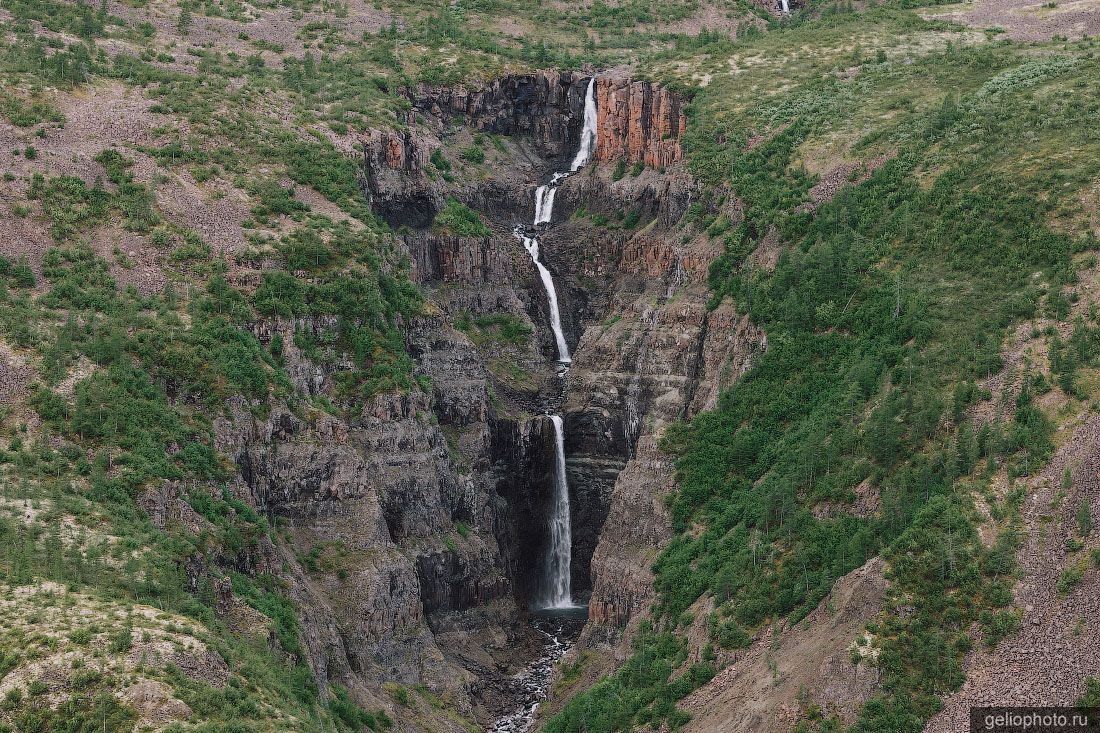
638 122
541 115
412 532
397 545
546 107
657 356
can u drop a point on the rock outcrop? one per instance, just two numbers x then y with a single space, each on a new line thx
639 122
546 107
541 113
398 186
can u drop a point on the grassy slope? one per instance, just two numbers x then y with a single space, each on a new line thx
885 313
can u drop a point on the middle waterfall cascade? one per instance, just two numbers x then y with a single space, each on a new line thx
786 7
532 246
555 591
558 593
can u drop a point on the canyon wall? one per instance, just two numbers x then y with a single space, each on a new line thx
647 351
388 520
657 356
411 534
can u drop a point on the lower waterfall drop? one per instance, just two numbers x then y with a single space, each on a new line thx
557 587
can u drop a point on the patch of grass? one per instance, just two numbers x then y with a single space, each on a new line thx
24 113
459 219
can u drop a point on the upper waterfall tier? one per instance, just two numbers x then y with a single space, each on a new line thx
544 212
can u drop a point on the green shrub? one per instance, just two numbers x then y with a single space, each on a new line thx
70 205
22 113
274 199
474 154
21 274
730 635
440 163
1084 518
50 406
80 714
135 201
351 717
640 693
81 637
457 218
1069 579
121 641
998 625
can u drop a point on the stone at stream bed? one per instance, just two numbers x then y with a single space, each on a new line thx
531 686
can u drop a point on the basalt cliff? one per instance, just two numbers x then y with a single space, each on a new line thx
647 351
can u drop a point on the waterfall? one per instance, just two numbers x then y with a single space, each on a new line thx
544 203
544 212
532 246
556 581
555 591
588 131
786 7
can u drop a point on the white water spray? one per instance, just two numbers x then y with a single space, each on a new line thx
556 584
786 7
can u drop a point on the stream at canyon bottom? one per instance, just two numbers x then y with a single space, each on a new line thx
531 686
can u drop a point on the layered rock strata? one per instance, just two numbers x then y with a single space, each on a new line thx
412 530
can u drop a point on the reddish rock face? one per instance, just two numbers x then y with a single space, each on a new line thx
638 121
